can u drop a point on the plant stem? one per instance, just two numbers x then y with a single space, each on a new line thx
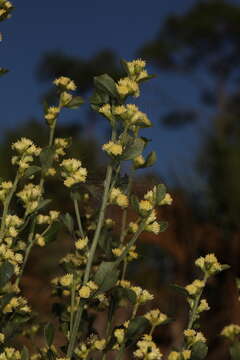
27 252
195 307
78 217
73 288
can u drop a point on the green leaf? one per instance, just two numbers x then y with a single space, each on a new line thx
68 222
180 289
32 170
6 272
43 204
106 276
51 234
46 158
134 149
199 351
106 84
151 159
24 353
49 334
235 350
160 192
135 329
75 103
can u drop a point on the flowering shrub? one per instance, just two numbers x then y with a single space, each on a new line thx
94 273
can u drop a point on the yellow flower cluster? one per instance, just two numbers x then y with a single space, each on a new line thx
119 335
138 161
127 86
73 172
132 116
5 188
118 197
17 304
80 244
30 196
12 224
12 257
66 280
65 83
10 353
48 219
5 9
2 338
155 317
52 114
183 355
151 196
193 336
147 349
113 148
26 150
136 69
141 294
203 306
209 264
195 287
133 227
87 290
60 144
65 98
231 331
132 254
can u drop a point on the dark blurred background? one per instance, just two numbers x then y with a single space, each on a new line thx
194 103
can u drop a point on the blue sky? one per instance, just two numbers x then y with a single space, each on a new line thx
82 28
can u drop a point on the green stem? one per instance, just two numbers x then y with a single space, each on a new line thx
73 289
125 263
195 307
78 217
27 252
121 352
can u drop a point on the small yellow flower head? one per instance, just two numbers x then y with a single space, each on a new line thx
186 354
65 83
5 188
167 200
142 295
153 227
119 335
81 243
133 227
155 317
109 223
138 161
66 280
99 344
65 98
147 349
40 240
51 115
85 292
73 172
203 306
118 198
124 283
231 331
145 207
126 86
193 336
30 196
119 110
106 110
209 264
112 148
2 338
195 287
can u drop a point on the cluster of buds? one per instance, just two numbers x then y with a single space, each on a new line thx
5 188
65 83
155 317
52 114
93 343
136 69
127 86
209 264
12 257
48 219
117 197
30 196
147 349
231 332
195 287
26 150
113 148
17 304
60 145
131 255
12 225
73 172
5 9
81 243
10 353
86 291
192 336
